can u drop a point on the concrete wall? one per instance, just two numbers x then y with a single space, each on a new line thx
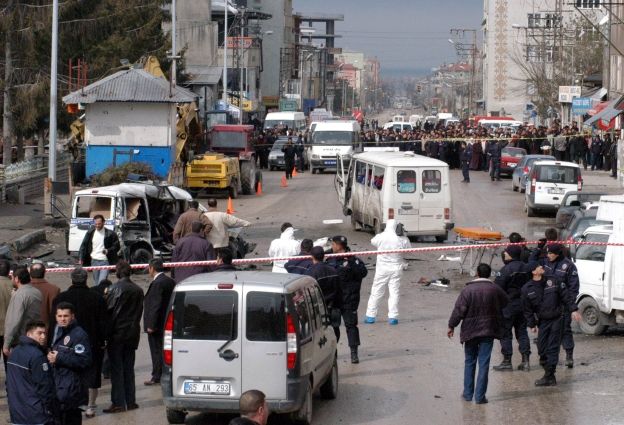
196 33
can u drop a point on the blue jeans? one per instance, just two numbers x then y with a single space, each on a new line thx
99 275
478 349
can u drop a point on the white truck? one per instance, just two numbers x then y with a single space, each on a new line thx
601 270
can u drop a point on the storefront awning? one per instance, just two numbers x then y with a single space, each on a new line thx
604 118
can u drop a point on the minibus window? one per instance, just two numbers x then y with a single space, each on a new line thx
90 206
432 181
206 315
406 181
378 177
360 172
266 317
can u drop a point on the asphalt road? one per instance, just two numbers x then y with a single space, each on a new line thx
412 373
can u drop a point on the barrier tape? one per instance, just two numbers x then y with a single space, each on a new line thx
266 260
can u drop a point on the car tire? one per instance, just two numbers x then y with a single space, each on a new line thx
441 238
530 211
233 190
303 416
513 186
329 390
140 256
248 177
271 168
175 416
590 323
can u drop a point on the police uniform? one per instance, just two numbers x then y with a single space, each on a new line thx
544 302
563 270
511 278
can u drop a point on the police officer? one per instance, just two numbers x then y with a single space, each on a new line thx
327 278
563 270
70 357
466 157
494 155
545 300
511 279
351 270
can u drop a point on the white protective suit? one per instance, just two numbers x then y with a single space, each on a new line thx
285 246
388 270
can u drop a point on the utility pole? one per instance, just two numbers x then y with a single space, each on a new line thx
7 117
50 206
241 52
225 47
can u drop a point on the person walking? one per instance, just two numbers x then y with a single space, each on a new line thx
125 308
388 271
494 151
70 357
289 151
300 265
351 271
100 247
155 306
466 159
511 279
24 307
192 247
90 313
478 308
285 246
184 224
595 151
48 290
327 278
221 222
300 151
6 291
544 301
31 393
253 408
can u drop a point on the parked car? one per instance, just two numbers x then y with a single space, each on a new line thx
522 170
276 156
229 332
573 201
510 157
579 222
549 181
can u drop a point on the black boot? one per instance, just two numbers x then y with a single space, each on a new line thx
354 355
569 362
505 365
524 365
548 380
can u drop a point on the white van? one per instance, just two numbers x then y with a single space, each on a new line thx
415 120
398 118
495 124
292 120
410 188
329 139
441 116
398 126
548 183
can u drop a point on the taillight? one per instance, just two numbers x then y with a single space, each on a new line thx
168 340
525 170
533 182
447 213
579 183
291 342
390 213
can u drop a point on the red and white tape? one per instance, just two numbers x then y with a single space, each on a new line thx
267 260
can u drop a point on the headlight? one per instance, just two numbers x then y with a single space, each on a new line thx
315 156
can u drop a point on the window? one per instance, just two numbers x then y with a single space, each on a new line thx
406 181
378 177
90 206
206 315
534 20
266 314
557 174
322 307
316 312
135 209
587 4
333 138
360 172
431 181
300 300
592 252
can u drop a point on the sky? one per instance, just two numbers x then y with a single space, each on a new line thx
409 37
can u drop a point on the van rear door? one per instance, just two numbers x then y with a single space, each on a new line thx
405 199
590 263
433 193
207 343
553 182
265 355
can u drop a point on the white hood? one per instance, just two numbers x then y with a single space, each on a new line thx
285 246
389 240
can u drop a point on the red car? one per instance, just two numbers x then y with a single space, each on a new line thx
510 158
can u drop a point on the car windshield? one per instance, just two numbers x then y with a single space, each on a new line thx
279 123
228 139
514 152
332 137
558 174
278 145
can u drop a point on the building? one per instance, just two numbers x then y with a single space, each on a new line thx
130 116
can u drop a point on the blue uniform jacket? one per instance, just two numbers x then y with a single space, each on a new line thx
72 360
545 299
300 265
30 386
511 278
467 154
564 271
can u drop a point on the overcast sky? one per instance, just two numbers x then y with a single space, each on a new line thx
405 35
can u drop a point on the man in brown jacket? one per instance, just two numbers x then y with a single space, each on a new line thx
48 290
6 290
185 221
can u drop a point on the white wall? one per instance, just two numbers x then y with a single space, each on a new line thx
130 124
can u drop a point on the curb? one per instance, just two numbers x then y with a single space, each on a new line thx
29 239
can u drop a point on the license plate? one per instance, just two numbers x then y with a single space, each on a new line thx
408 212
280 162
329 162
512 164
211 388
556 191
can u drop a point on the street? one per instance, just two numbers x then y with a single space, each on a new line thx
412 373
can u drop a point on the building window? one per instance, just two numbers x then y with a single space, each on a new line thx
588 4
534 20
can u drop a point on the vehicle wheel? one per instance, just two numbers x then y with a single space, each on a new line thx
354 223
175 416
140 256
442 239
590 317
522 190
530 211
233 190
329 390
321 170
193 193
304 414
271 168
248 177
513 186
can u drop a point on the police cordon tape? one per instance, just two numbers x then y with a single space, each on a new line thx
266 260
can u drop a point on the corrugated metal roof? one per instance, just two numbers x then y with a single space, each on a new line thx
131 85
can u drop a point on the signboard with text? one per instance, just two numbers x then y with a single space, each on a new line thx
239 42
581 105
288 105
567 93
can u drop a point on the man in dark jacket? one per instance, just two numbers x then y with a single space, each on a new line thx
466 157
289 151
155 306
30 385
70 356
253 408
478 308
193 247
494 151
100 247
300 265
224 261
327 278
91 315
351 270
125 308
511 279
544 301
